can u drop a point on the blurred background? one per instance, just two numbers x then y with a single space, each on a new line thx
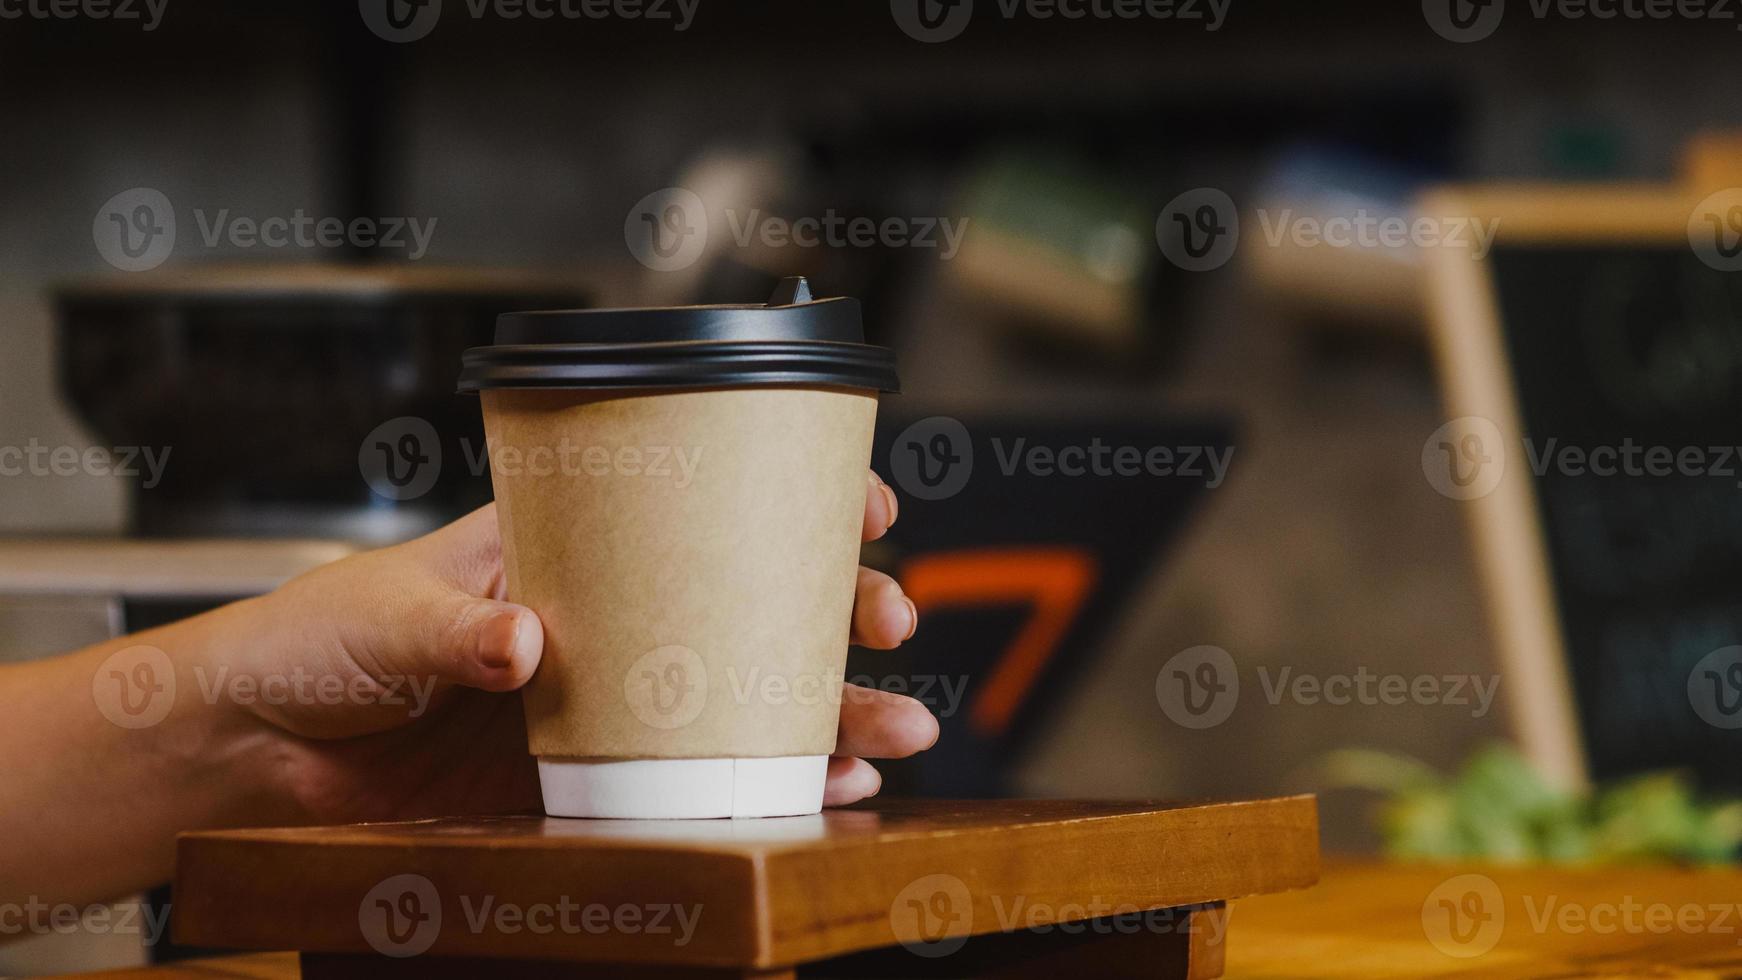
1034 210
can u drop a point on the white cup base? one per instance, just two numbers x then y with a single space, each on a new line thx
683 789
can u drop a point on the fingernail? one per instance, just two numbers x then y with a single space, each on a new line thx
500 640
889 500
912 618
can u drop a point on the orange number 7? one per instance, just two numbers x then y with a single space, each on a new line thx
1053 582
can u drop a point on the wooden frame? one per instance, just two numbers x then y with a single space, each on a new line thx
1476 379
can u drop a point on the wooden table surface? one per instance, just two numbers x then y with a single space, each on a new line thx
1371 920
1367 920
775 892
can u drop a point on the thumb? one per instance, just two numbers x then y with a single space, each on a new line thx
476 642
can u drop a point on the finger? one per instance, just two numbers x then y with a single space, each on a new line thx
468 553
850 780
480 643
880 508
882 725
883 615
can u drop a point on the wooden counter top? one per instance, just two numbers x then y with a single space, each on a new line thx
1366 919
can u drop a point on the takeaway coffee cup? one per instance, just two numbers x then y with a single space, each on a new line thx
680 493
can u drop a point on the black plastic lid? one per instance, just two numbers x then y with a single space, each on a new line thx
792 339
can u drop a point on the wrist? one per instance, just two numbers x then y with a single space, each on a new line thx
216 739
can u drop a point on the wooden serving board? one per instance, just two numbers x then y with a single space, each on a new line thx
899 888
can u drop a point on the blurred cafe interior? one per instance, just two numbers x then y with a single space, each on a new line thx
1225 235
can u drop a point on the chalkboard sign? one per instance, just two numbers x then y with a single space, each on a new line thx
1021 541
1594 357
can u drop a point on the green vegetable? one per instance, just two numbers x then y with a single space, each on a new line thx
1498 808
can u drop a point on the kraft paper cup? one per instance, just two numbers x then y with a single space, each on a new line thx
690 543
